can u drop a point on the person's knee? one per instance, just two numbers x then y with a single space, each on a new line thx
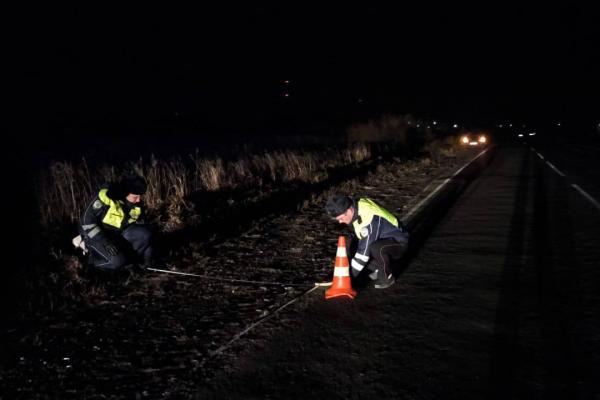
139 235
145 235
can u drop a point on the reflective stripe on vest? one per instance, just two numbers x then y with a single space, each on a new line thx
367 209
115 215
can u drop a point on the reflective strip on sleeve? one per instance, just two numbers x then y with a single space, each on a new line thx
356 265
88 227
94 232
362 257
341 271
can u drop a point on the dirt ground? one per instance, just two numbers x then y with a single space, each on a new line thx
164 336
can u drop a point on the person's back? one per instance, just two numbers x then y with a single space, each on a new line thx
387 225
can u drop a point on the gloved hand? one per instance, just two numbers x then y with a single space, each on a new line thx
111 249
356 266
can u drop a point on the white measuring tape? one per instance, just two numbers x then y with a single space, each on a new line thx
218 278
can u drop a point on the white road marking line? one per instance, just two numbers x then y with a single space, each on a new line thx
586 195
576 187
549 163
413 210
555 169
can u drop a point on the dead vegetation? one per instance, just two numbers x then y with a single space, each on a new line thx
65 188
193 190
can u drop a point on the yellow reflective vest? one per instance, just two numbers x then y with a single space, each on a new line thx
115 214
366 210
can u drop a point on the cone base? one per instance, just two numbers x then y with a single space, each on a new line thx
336 292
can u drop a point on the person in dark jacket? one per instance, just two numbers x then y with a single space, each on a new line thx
112 226
379 238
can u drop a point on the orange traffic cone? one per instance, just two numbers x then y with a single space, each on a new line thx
341 285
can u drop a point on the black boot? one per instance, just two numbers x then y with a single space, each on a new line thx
384 280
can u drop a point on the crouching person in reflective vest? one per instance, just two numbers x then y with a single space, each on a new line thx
380 239
112 226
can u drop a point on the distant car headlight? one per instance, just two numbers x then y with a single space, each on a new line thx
465 139
482 139
520 135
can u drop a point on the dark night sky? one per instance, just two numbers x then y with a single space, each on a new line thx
225 68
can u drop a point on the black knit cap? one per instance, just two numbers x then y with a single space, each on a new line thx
135 184
337 204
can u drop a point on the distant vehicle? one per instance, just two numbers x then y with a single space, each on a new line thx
524 135
474 139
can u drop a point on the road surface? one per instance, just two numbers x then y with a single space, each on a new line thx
500 302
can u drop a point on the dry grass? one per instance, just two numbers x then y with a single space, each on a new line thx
64 189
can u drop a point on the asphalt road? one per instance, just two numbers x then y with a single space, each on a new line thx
500 302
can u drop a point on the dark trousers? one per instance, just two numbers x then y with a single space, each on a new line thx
383 253
133 242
